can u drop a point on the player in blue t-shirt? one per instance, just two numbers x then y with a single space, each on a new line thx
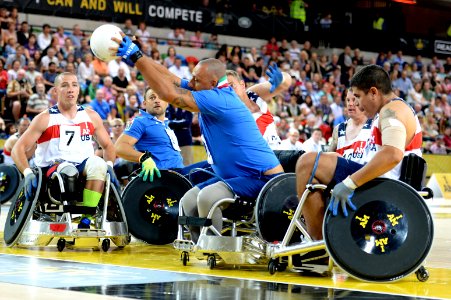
236 150
148 140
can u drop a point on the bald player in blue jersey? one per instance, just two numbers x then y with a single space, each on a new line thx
235 147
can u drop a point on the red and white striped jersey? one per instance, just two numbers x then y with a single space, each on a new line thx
265 121
64 139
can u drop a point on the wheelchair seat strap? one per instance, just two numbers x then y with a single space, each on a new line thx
194 221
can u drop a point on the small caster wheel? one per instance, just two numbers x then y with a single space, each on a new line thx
211 261
272 266
105 245
422 274
282 267
61 244
185 257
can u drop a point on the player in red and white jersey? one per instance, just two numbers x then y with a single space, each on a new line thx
349 138
256 100
395 133
63 134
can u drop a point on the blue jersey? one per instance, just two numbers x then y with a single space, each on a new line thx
156 137
232 138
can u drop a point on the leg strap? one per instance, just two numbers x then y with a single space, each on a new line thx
315 166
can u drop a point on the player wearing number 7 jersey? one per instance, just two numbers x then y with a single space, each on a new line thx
64 133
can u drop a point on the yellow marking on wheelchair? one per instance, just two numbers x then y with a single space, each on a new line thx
2 189
290 213
155 217
149 198
393 219
3 176
381 243
363 220
171 202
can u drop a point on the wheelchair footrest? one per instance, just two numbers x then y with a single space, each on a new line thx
194 221
183 245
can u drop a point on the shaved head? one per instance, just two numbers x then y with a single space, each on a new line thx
215 67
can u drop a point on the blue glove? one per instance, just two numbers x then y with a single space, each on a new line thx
275 77
113 177
126 49
342 193
30 183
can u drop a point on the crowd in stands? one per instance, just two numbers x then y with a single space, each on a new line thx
306 113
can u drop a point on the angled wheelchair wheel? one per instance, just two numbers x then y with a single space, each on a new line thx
9 182
152 208
20 212
386 238
275 207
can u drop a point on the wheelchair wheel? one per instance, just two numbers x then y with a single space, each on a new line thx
20 213
9 182
386 238
152 208
276 203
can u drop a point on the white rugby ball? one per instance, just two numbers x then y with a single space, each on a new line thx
100 41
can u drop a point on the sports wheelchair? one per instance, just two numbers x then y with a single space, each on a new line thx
10 179
385 239
52 213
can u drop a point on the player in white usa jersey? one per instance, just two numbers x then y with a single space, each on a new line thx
349 138
63 133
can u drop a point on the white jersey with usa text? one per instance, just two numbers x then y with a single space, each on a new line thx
265 121
375 143
64 139
354 149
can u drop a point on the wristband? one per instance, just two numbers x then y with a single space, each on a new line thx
350 183
27 171
145 156
135 56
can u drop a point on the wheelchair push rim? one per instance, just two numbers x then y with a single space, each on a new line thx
386 238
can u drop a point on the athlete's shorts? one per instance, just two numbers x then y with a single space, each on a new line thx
246 187
344 169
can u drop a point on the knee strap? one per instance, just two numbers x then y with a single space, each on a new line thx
95 168
315 166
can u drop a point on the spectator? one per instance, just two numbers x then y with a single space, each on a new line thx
120 82
314 143
60 35
142 34
101 106
128 27
403 84
272 46
31 73
18 92
23 34
10 33
18 55
50 57
31 46
38 102
82 50
100 67
212 42
90 91
438 146
118 107
86 70
76 36
179 70
292 141
108 89
196 40
170 58
115 65
45 37
50 76
176 36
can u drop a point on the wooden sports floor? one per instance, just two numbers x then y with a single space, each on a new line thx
141 271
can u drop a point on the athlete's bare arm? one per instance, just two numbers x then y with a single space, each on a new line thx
263 89
102 136
334 141
124 148
388 156
28 140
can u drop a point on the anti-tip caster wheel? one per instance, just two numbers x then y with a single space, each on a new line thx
185 257
422 274
272 266
105 245
61 244
211 261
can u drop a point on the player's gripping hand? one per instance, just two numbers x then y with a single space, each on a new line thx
128 50
275 77
30 183
148 167
342 194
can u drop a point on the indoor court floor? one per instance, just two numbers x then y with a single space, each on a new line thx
141 271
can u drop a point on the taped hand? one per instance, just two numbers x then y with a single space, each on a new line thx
275 77
342 194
